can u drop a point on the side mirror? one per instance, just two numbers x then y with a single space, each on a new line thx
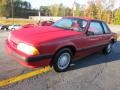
89 33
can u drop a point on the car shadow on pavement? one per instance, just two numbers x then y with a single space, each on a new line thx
97 58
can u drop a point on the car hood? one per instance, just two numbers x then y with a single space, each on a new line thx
36 35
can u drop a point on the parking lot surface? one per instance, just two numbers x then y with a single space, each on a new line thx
95 72
8 67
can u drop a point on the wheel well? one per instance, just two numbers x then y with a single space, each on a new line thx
72 48
112 40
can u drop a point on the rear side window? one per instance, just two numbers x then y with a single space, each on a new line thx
96 27
106 29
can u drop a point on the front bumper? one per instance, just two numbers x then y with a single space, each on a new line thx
26 60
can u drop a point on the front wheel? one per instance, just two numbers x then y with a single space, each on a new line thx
107 49
62 60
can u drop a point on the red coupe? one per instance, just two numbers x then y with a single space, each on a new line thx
59 44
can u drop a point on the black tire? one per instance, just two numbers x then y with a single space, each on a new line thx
5 29
57 56
107 49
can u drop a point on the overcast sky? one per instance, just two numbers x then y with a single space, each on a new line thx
38 3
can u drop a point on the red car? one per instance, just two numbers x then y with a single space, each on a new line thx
59 44
47 23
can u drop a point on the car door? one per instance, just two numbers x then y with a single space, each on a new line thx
94 37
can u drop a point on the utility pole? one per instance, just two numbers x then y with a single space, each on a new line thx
64 12
73 8
39 13
12 9
112 16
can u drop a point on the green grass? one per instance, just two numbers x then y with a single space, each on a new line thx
17 21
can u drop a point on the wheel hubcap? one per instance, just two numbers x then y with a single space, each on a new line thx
64 60
109 48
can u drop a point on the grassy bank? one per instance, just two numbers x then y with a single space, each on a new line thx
17 21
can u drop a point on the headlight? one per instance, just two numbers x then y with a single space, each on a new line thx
30 50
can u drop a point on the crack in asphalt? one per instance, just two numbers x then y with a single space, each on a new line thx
100 70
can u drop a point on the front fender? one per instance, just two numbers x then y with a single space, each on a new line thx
64 44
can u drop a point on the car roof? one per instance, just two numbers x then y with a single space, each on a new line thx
85 18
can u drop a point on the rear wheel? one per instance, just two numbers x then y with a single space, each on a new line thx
5 29
107 49
62 60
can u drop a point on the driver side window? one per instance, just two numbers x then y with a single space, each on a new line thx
95 27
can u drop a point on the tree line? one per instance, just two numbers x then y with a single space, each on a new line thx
98 9
21 9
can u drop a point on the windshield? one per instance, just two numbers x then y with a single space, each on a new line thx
69 23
